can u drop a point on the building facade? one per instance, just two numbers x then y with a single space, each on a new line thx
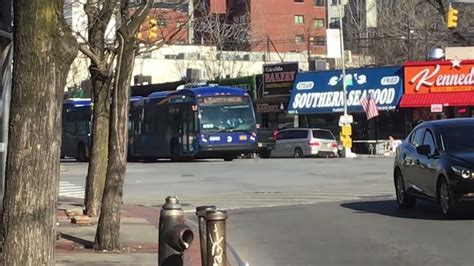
288 26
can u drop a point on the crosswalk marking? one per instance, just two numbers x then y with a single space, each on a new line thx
67 189
244 200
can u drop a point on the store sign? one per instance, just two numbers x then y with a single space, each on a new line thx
439 76
278 79
321 92
436 108
270 107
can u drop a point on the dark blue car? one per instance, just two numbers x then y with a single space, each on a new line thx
436 162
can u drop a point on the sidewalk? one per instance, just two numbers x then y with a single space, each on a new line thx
138 236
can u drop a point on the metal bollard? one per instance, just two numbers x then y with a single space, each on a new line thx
216 238
201 214
174 236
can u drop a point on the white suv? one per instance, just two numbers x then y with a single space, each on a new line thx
305 142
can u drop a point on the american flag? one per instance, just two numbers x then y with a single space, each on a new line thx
370 108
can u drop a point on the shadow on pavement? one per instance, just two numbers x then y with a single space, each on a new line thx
86 243
422 211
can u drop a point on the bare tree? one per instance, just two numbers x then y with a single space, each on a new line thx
99 14
226 38
100 50
44 49
405 30
107 235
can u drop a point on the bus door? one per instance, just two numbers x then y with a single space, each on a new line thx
187 128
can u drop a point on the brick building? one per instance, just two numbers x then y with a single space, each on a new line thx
288 26
171 17
283 25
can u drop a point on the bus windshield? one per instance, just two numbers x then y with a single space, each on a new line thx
227 117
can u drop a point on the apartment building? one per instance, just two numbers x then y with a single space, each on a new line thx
283 25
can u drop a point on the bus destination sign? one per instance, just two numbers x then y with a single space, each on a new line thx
222 100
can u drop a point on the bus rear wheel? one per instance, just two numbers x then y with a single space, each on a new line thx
81 153
229 158
174 152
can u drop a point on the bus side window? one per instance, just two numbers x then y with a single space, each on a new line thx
83 117
161 118
70 121
174 119
149 119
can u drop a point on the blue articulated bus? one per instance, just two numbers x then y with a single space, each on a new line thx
191 123
203 122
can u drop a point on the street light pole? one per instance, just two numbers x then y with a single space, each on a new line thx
310 39
343 65
345 120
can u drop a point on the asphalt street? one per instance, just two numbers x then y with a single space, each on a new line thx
303 212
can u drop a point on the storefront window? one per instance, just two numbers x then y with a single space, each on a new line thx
391 123
464 111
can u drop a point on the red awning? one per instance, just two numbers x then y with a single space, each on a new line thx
444 98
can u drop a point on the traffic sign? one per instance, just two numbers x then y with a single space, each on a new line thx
345 119
347 142
347 130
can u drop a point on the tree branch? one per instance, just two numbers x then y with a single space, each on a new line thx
84 48
138 16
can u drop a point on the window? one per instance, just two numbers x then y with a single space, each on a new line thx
417 137
83 119
320 41
70 118
149 119
283 135
334 24
429 140
318 2
318 23
323 134
293 134
299 19
335 2
161 22
180 25
299 38
300 134
299 1
458 138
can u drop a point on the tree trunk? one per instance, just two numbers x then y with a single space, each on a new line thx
95 180
107 235
44 49
98 16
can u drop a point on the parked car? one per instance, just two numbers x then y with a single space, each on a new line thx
305 142
265 141
436 162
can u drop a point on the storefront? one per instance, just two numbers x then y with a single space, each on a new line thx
272 100
438 90
317 98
